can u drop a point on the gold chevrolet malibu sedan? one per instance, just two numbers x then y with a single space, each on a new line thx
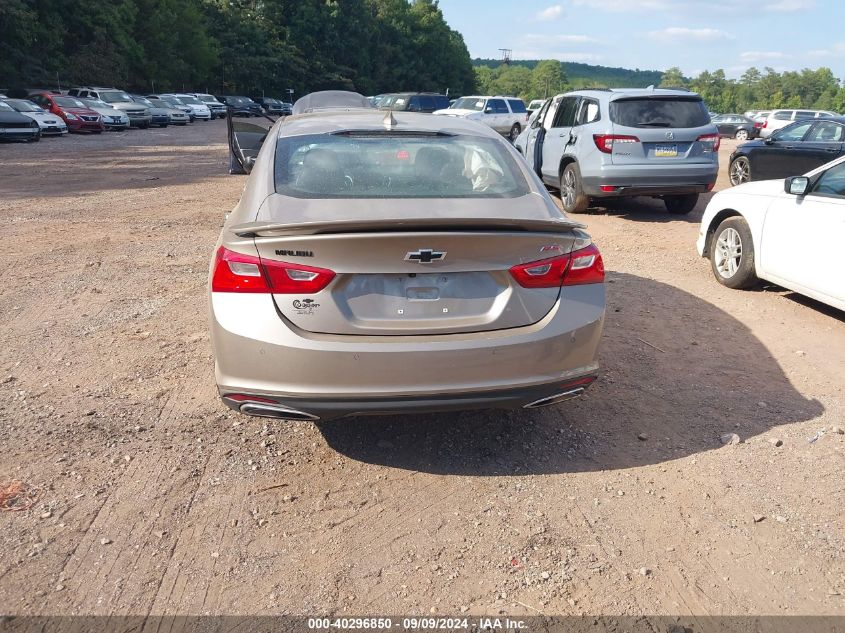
396 262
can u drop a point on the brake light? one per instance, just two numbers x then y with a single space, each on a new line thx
765 123
584 266
710 142
235 272
605 142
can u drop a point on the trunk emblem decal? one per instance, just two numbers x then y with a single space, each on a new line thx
670 136
425 256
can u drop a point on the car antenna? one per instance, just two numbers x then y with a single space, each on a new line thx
389 121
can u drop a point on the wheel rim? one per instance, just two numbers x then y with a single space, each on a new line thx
514 133
728 253
740 171
567 191
742 135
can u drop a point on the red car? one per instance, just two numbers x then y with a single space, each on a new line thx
78 116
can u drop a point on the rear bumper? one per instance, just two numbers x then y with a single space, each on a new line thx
651 180
258 352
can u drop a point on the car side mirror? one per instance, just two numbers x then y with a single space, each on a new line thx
770 140
249 163
796 185
488 110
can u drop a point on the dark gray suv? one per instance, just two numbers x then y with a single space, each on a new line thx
624 142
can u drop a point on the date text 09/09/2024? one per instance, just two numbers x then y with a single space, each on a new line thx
418 624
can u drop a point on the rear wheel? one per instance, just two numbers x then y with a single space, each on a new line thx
571 191
681 205
740 171
515 131
741 135
732 254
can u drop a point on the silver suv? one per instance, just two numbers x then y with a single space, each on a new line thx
139 116
506 115
624 142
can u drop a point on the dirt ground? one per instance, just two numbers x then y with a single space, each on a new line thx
156 499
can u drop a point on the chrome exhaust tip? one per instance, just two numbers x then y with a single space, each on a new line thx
560 397
276 411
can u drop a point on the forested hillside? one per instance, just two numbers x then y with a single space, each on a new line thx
244 46
586 75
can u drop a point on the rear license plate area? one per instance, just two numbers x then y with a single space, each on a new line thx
665 151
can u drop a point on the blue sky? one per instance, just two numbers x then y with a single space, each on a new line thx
657 34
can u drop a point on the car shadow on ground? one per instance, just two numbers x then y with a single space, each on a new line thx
641 209
680 389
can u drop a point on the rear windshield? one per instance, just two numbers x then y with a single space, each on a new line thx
390 165
671 112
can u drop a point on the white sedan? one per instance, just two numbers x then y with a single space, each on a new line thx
788 232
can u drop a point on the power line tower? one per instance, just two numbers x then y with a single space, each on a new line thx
506 56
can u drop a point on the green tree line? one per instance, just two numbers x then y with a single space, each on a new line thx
233 46
762 90
755 90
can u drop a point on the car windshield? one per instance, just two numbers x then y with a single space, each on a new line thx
270 101
68 102
173 100
6 107
115 96
389 165
143 101
160 103
22 105
469 103
191 100
97 103
208 99
674 112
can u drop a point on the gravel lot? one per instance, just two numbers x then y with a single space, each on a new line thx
156 499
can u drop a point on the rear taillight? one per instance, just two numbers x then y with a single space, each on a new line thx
584 266
605 142
710 142
765 123
235 272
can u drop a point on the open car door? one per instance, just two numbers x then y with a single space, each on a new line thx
245 140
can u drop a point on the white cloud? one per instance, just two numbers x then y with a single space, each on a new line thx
625 5
550 13
684 33
837 49
761 56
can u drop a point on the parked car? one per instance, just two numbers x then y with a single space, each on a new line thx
337 287
178 116
794 149
414 102
737 126
754 231
781 118
15 126
113 119
269 105
217 109
48 122
77 116
118 99
377 99
506 115
241 106
287 108
200 110
595 144
535 105
160 116
174 103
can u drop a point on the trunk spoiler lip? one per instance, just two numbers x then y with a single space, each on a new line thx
397 225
